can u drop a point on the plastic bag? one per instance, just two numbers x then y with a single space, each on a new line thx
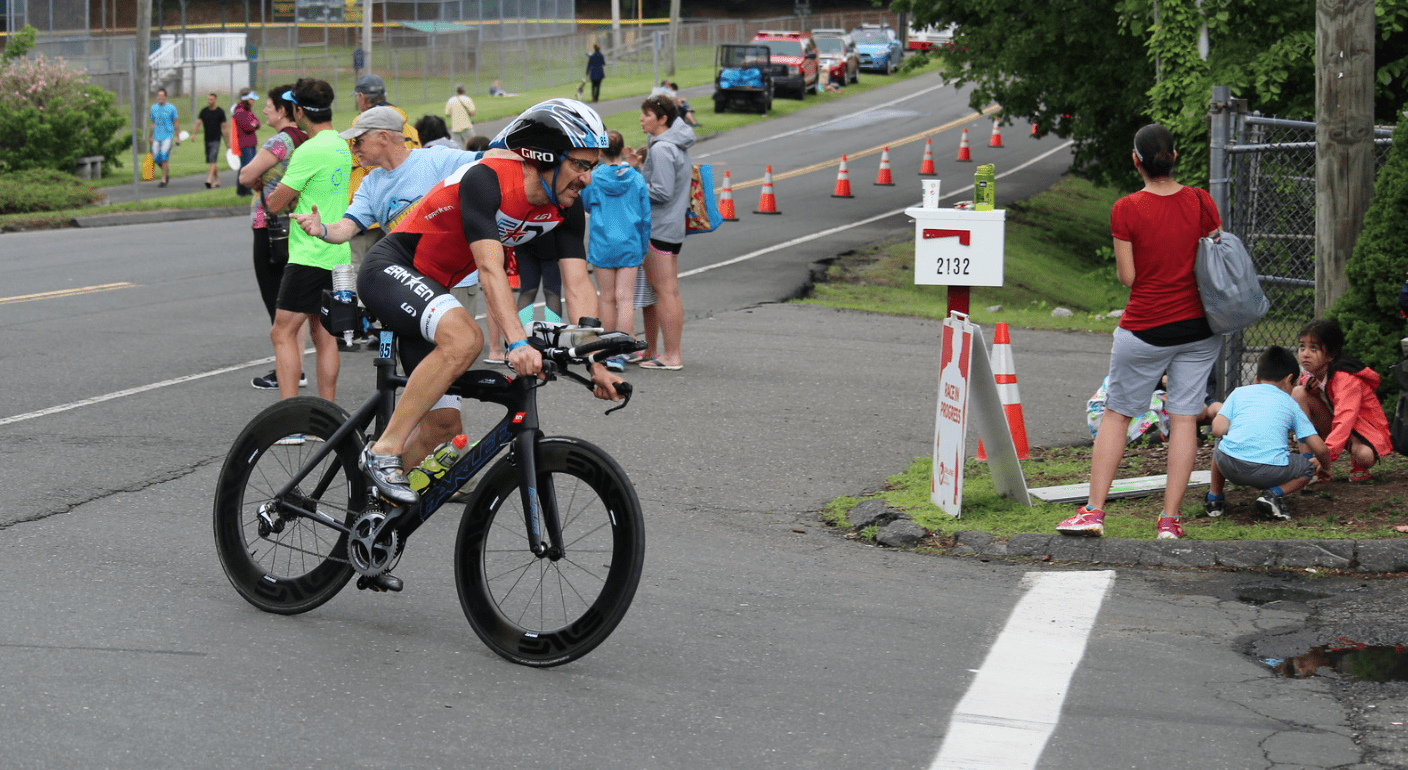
1140 425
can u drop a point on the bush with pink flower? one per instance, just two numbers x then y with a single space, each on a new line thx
50 115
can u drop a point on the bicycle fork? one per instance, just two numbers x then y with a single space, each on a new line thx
540 519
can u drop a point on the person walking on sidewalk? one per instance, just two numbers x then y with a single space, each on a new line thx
596 70
1163 329
213 118
162 132
460 110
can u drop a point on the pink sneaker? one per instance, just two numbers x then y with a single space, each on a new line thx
1089 522
1169 528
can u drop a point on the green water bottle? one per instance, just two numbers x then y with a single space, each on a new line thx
436 463
985 188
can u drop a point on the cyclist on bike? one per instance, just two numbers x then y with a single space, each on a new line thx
527 186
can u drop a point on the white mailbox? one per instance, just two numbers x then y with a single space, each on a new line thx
958 247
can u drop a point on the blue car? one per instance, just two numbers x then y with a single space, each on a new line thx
879 48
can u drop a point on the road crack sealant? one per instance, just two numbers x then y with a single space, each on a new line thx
174 474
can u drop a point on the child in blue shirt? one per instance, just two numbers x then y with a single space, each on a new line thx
618 203
1253 452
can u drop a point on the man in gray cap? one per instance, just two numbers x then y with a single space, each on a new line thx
370 92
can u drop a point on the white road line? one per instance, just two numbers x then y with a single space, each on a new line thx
1014 703
816 126
686 274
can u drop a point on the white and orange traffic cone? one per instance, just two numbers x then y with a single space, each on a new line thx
726 212
996 139
963 153
843 181
767 202
883 177
926 166
1004 371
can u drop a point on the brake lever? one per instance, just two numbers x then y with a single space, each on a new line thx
625 389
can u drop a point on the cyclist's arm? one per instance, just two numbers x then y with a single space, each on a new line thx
578 291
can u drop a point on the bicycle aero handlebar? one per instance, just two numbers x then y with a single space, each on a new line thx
557 358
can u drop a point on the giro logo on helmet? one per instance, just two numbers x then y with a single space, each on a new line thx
538 155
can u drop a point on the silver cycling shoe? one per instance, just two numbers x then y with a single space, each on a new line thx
385 472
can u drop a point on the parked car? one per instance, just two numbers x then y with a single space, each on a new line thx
743 78
930 38
837 54
879 47
797 52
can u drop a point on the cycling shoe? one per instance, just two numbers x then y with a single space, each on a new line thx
385 472
381 583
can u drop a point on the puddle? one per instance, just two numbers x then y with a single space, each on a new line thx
1352 661
1260 595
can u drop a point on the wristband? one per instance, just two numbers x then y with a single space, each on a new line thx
512 346
325 231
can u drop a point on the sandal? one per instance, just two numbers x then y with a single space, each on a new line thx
638 357
656 363
1357 474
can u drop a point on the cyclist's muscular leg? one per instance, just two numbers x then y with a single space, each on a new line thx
439 426
457 344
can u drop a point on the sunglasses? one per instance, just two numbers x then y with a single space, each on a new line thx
586 167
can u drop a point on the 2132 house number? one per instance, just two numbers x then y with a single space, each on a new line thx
953 266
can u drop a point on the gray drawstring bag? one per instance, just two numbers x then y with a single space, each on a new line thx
1227 282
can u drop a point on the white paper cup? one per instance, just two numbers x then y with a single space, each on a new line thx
931 193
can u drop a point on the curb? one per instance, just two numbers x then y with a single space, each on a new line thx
157 216
1360 556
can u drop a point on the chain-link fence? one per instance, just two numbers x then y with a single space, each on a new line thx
422 60
1270 204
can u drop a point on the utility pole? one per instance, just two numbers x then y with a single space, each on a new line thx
615 26
674 33
141 84
367 35
1344 138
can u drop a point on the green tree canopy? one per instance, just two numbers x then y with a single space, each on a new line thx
1095 74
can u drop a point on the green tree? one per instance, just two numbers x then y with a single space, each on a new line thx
50 115
1368 310
1096 74
18 45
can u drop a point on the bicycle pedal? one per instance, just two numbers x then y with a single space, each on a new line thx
381 583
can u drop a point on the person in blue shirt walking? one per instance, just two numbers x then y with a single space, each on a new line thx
1253 451
162 131
596 70
618 202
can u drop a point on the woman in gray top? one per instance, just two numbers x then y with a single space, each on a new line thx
667 171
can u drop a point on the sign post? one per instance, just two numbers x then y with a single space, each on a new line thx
961 248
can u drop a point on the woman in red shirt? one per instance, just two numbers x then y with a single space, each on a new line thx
1163 328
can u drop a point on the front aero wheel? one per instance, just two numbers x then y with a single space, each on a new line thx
278 561
537 611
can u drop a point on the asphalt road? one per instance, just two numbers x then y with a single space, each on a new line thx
758 638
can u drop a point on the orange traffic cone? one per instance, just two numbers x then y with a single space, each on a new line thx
996 139
843 181
1004 371
767 202
963 153
926 167
726 212
883 178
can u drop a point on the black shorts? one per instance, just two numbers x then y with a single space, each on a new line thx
301 290
666 247
403 300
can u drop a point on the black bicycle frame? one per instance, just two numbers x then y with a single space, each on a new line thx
519 427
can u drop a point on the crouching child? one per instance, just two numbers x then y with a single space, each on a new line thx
1253 450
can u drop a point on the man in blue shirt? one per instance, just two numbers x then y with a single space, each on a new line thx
164 126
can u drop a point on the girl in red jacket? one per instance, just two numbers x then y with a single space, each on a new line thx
1337 394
